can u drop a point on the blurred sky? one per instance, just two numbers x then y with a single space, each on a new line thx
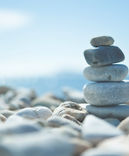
47 36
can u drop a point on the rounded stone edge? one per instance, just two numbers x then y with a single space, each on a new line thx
108 38
105 80
89 54
101 99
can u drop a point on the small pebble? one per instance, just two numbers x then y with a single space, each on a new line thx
71 108
102 41
35 112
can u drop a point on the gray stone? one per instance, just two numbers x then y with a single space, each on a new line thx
81 146
116 72
15 119
2 118
124 125
47 100
56 121
117 146
18 128
72 109
30 93
112 121
38 144
73 95
5 89
6 113
95 129
9 96
20 101
109 93
3 104
66 131
72 118
119 111
35 112
104 55
102 41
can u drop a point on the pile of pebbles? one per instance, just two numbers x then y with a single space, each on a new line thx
48 125
108 94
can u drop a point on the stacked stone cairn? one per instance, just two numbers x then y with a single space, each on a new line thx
108 94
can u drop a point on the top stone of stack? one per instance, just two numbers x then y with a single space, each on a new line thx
104 54
102 41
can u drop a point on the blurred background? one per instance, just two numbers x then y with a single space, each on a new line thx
42 41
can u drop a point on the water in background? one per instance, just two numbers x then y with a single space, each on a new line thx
44 84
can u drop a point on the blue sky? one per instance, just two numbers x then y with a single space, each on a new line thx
48 36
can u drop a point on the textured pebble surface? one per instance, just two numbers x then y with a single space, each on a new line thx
109 93
119 111
116 72
104 55
102 41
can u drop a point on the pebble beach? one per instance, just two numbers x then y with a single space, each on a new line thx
91 122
